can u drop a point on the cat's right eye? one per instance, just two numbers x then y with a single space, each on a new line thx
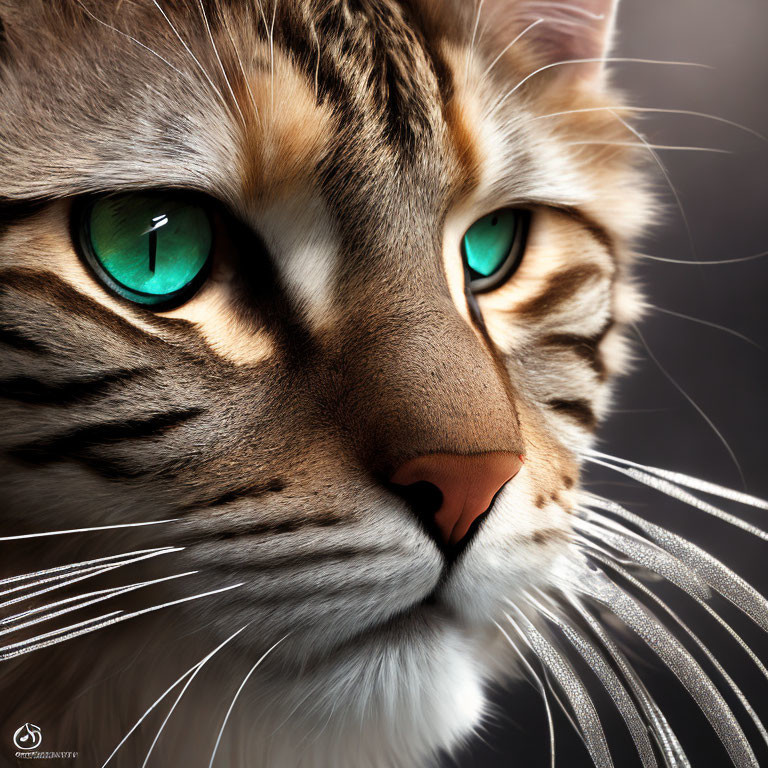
152 248
493 247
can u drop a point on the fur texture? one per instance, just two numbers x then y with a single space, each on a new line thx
349 145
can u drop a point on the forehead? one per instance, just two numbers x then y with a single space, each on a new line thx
245 100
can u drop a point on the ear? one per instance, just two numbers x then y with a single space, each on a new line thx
556 31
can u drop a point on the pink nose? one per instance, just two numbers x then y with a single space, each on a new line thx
468 485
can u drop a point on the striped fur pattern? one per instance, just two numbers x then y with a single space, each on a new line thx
347 145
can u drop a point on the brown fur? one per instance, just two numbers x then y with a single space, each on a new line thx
359 140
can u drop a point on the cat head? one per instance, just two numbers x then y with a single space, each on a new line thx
365 399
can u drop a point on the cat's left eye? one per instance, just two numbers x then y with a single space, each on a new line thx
152 248
493 247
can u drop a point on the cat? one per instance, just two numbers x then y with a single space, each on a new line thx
309 310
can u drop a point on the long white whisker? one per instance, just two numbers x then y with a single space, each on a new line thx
662 731
76 566
645 553
242 70
96 597
691 482
721 578
221 64
236 696
663 168
317 62
600 60
583 708
646 145
132 39
596 585
707 323
541 689
508 46
471 50
194 58
712 263
664 486
86 530
693 403
191 671
653 110
610 681
710 656
66 579
181 694
577 11
75 630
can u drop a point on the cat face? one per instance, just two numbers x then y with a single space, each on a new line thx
340 355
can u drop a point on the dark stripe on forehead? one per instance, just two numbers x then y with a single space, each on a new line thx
366 54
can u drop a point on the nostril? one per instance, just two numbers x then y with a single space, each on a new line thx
424 499
450 493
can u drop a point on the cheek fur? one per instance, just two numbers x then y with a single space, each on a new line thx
257 478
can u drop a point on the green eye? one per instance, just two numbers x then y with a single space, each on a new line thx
151 248
492 248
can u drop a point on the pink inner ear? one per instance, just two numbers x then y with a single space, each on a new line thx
569 29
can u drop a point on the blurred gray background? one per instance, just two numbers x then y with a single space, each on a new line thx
726 200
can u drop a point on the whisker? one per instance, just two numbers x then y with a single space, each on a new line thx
664 486
132 39
646 554
236 696
707 323
662 731
691 482
100 596
86 530
541 689
663 168
704 649
107 620
508 46
202 69
471 50
575 691
596 585
317 62
192 670
721 578
692 402
610 681
577 11
71 566
713 263
653 110
221 65
564 708
646 145
597 60
242 70
66 579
